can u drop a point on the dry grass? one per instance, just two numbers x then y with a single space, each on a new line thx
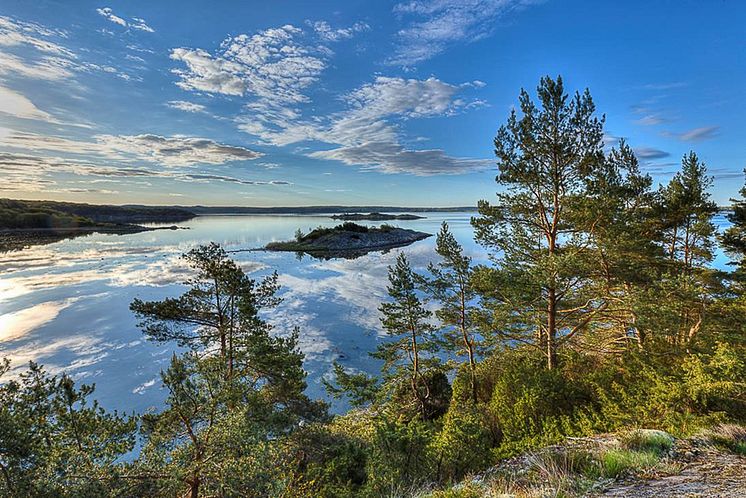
729 436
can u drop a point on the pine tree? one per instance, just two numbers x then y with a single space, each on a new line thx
686 215
545 159
55 442
734 238
623 235
452 287
407 322
220 309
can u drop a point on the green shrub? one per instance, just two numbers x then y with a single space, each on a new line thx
729 436
530 406
463 444
467 491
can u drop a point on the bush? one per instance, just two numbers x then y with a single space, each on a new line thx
680 395
320 461
529 406
434 382
463 444
729 436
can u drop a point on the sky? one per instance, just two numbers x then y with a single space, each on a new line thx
346 102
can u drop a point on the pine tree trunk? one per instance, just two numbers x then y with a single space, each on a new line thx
551 328
194 487
469 349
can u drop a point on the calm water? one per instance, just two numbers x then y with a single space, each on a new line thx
65 305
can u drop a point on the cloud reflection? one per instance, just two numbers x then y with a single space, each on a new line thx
19 323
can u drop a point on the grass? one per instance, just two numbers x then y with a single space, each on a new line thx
618 462
657 442
577 472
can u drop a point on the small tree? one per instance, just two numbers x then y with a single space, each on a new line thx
624 252
215 435
734 238
220 310
406 320
54 441
452 286
686 215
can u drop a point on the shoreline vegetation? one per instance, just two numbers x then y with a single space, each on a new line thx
348 240
598 314
376 217
28 223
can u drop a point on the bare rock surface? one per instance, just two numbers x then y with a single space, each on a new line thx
703 471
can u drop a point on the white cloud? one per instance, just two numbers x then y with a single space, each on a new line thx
175 151
696 134
327 33
168 151
272 65
185 106
391 157
650 153
48 68
365 132
14 33
39 173
51 61
274 68
15 104
134 23
434 25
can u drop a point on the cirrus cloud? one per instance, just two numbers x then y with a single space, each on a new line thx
435 25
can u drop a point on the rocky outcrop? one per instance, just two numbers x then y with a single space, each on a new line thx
349 240
375 217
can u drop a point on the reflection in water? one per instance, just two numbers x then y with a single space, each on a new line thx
66 305
17 324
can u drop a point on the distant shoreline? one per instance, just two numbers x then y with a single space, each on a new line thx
207 210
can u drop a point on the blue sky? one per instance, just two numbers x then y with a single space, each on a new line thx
345 102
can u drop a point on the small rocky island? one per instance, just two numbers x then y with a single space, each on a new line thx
375 217
348 240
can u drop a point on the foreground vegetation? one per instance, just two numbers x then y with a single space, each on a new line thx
598 312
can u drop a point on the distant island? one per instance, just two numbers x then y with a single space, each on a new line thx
348 240
375 217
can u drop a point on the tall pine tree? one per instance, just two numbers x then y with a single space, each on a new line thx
538 241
